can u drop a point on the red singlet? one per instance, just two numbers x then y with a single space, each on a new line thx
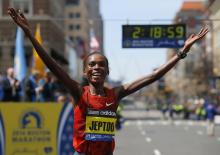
95 103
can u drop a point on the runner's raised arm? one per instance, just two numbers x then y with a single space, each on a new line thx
127 89
72 85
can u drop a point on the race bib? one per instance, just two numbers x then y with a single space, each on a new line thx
100 125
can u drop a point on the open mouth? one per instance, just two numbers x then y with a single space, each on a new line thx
96 74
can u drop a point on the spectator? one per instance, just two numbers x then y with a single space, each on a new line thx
32 90
11 87
211 112
47 88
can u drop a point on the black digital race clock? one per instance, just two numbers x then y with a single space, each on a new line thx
153 36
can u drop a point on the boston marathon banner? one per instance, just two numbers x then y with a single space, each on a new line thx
36 129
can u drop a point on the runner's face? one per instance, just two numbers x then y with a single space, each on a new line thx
96 69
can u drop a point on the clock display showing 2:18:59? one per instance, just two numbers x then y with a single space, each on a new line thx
154 31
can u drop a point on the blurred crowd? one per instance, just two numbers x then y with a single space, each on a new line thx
194 108
35 88
199 109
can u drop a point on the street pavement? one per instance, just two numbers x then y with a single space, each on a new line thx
146 133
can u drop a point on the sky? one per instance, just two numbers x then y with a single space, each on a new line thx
130 64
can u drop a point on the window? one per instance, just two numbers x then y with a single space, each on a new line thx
71 15
28 54
77 15
74 15
74 27
71 27
78 27
25 6
12 52
72 2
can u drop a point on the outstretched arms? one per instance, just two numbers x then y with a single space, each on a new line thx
127 89
72 85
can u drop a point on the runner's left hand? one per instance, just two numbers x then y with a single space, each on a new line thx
193 38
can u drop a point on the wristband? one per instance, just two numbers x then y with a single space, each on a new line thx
181 55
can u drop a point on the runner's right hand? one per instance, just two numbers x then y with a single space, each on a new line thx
19 18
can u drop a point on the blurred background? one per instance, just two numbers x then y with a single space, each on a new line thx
173 112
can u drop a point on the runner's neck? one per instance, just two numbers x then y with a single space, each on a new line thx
97 91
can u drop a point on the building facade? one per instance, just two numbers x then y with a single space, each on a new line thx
190 77
82 16
45 12
214 16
